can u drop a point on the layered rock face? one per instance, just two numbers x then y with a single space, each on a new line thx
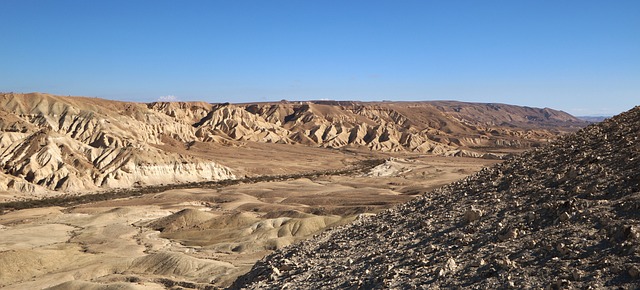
82 144
444 128
566 215
76 144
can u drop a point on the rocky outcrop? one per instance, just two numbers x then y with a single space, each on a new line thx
239 124
82 144
561 216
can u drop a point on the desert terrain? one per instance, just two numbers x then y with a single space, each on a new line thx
76 144
206 190
320 145
200 237
563 216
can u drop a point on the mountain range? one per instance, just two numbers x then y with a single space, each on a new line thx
79 144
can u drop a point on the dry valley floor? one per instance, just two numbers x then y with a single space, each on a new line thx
205 238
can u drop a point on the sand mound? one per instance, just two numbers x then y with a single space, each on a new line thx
245 233
230 221
32 236
562 216
184 219
286 213
306 226
18 265
82 285
176 264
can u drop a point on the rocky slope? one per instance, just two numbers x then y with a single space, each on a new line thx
561 216
76 144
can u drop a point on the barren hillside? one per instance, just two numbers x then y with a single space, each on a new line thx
76 144
562 216
82 144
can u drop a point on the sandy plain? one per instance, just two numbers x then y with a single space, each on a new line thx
204 238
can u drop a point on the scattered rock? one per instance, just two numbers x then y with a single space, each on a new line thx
472 215
478 263
577 274
275 273
634 271
505 263
509 234
441 272
451 265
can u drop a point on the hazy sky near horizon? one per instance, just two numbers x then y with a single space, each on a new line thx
582 57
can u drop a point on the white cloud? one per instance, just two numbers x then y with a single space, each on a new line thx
168 98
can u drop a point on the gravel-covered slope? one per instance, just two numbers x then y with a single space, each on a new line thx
565 215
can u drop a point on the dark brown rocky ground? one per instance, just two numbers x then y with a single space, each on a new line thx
565 215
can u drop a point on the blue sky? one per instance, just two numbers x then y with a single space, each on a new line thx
582 57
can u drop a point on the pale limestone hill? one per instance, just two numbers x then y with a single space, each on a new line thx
79 144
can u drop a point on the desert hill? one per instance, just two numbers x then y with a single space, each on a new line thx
561 216
78 144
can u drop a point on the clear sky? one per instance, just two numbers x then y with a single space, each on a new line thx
582 56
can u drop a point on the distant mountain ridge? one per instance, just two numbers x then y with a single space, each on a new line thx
593 119
76 143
